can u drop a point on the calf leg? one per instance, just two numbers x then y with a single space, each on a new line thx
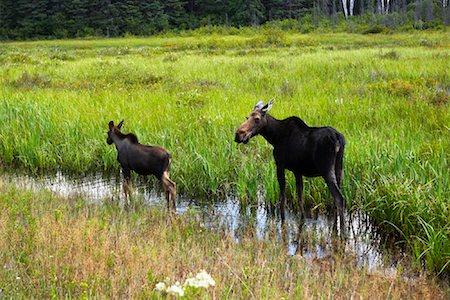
174 195
166 195
126 184
282 184
170 190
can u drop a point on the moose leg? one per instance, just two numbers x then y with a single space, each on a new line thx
126 184
174 195
299 190
282 184
339 167
331 181
170 190
166 195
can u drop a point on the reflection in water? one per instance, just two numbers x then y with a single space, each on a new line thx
362 243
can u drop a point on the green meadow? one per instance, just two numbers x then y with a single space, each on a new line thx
388 94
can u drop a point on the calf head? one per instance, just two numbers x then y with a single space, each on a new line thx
112 131
255 122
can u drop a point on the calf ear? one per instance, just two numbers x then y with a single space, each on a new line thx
111 124
258 105
268 106
120 124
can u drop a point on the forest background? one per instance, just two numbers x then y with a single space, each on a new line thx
49 19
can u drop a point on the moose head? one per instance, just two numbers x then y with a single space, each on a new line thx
255 122
112 130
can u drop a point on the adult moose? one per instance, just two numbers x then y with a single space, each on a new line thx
306 151
143 159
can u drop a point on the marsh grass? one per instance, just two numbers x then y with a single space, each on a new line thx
55 247
388 94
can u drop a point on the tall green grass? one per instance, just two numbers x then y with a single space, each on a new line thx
388 94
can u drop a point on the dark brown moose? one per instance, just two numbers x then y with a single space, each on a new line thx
306 151
143 159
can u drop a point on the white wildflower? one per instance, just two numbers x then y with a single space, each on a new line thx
201 280
205 277
160 287
176 290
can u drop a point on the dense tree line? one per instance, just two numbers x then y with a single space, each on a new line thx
22 19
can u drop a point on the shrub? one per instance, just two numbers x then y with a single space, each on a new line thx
31 80
375 29
400 87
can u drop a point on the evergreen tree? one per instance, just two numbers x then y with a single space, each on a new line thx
8 18
294 9
101 17
247 12
176 13
78 24
216 12
32 19
274 9
132 17
57 19
153 17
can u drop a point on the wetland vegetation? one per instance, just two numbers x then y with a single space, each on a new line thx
388 94
54 247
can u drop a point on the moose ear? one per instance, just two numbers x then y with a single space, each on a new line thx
120 124
111 124
259 105
268 106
